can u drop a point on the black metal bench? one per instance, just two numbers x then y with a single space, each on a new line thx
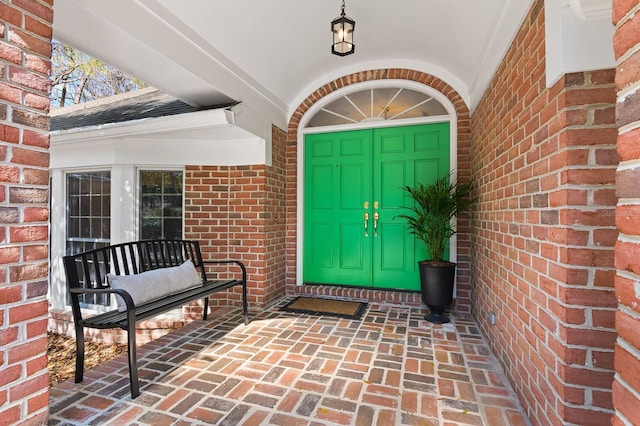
87 279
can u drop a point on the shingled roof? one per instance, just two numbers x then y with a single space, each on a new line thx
143 103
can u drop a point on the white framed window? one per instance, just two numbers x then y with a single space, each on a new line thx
96 207
88 218
161 204
377 103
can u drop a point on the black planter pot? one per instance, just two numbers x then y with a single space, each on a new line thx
436 284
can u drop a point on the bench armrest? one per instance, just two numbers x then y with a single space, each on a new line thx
120 292
237 262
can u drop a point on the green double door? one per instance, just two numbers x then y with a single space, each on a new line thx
352 191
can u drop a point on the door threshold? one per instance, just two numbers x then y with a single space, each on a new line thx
363 294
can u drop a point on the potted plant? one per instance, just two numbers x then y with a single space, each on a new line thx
429 218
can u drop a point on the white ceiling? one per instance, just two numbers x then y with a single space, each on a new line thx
271 54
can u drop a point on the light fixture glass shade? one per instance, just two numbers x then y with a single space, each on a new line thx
342 28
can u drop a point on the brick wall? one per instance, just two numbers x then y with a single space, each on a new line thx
275 244
544 231
626 387
463 295
239 213
224 214
25 51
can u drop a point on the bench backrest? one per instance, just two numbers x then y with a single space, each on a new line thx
89 269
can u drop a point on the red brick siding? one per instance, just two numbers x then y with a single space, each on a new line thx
463 296
222 212
238 213
626 387
61 322
25 51
276 220
544 231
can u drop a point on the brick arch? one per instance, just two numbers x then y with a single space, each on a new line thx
385 74
463 129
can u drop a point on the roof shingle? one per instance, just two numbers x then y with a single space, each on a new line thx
143 103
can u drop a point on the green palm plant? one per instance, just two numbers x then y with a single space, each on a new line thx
434 205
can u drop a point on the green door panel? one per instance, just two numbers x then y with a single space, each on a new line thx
337 183
320 236
352 256
402 156
344 170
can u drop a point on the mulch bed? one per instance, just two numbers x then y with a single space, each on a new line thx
61 354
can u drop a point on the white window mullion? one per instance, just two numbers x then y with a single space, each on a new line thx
58 232
123 204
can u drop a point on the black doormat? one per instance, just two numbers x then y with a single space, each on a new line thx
329 307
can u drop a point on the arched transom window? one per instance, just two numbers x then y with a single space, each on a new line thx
377 104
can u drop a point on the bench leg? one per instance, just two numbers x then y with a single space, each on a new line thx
133 367
79 353
206 308
245 312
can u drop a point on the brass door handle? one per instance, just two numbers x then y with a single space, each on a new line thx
375 224
366 224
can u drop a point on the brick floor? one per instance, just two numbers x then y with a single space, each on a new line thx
390 368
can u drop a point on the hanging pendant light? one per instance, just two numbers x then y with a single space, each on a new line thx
342 28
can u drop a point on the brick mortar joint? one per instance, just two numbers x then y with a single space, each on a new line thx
629 389
22 167
9 121
627 55
624 19
589 107
27 13
587 366
591 126
629 127
41 21
23 67
629 348
27 89
630 312
629 202
629 90
588 85
629 276
23 262
590 115
554 373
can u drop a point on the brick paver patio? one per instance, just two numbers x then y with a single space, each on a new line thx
390 368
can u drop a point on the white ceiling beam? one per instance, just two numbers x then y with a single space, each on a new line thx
182 63
198 138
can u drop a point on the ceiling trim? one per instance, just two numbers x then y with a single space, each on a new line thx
591 9
148 126
154 153
200 138
505 30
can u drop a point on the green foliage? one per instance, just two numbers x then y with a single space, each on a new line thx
434 206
